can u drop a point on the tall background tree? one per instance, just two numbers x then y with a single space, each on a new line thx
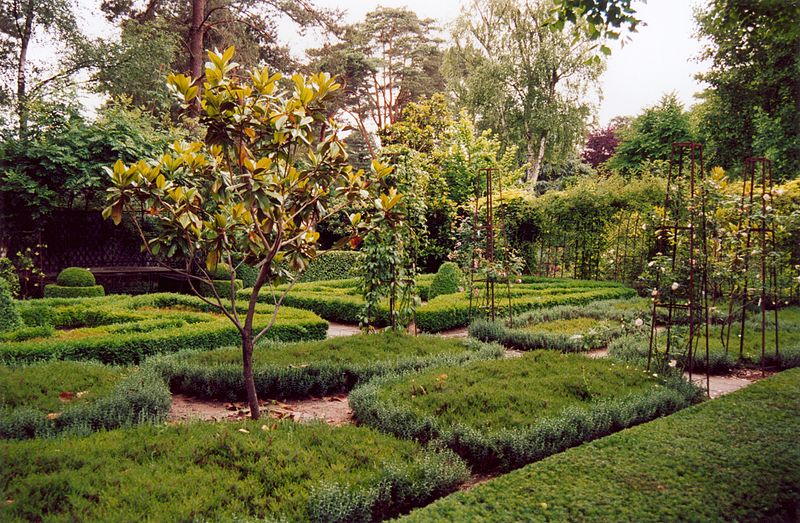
519 76
386 61
753 104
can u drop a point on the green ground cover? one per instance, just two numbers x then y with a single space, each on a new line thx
49 386
275 471
126 329
503 414
293 370
567 328
340 300
43 399
633 348
732 459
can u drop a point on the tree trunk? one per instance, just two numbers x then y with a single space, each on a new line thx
22 98
535 157
196 47
247 370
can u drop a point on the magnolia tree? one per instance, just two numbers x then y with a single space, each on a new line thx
271 167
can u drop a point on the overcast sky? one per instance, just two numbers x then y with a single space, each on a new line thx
659 58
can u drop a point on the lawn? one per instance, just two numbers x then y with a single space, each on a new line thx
732 459
502 414
49 386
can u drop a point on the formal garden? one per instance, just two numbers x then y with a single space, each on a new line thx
379 284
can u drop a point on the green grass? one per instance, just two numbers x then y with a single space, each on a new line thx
514 393
732 459
297 370
499 415
39 385
248 470
570 326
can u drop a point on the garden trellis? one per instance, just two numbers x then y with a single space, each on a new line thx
484 271
756 232
682 254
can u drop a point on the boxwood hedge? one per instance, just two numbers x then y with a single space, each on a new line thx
313 368
732 459
256 470
500 415
340 300
127 329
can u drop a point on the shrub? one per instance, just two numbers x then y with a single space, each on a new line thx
313 368
221 271
447 280
140 397
9 316
566 328
59 291
9 273
247 274
255 470
76 277
331 265
127 329
500 415
732 459
222 288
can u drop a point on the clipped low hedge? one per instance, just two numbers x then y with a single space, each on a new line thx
127 329
732 459
313 368
500 415
340 300
53 290
257 470
452 310
528 332
139 397
332 265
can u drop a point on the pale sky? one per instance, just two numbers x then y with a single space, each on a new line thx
659 58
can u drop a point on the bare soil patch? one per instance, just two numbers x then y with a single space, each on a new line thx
334 410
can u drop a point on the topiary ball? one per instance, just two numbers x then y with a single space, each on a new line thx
9 316
447 280
76 277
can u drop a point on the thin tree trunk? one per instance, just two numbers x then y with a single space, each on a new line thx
535 157
22 98
196 47
247 371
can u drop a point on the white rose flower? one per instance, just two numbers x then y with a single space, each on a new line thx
675 285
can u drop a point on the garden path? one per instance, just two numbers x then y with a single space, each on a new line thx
334 410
